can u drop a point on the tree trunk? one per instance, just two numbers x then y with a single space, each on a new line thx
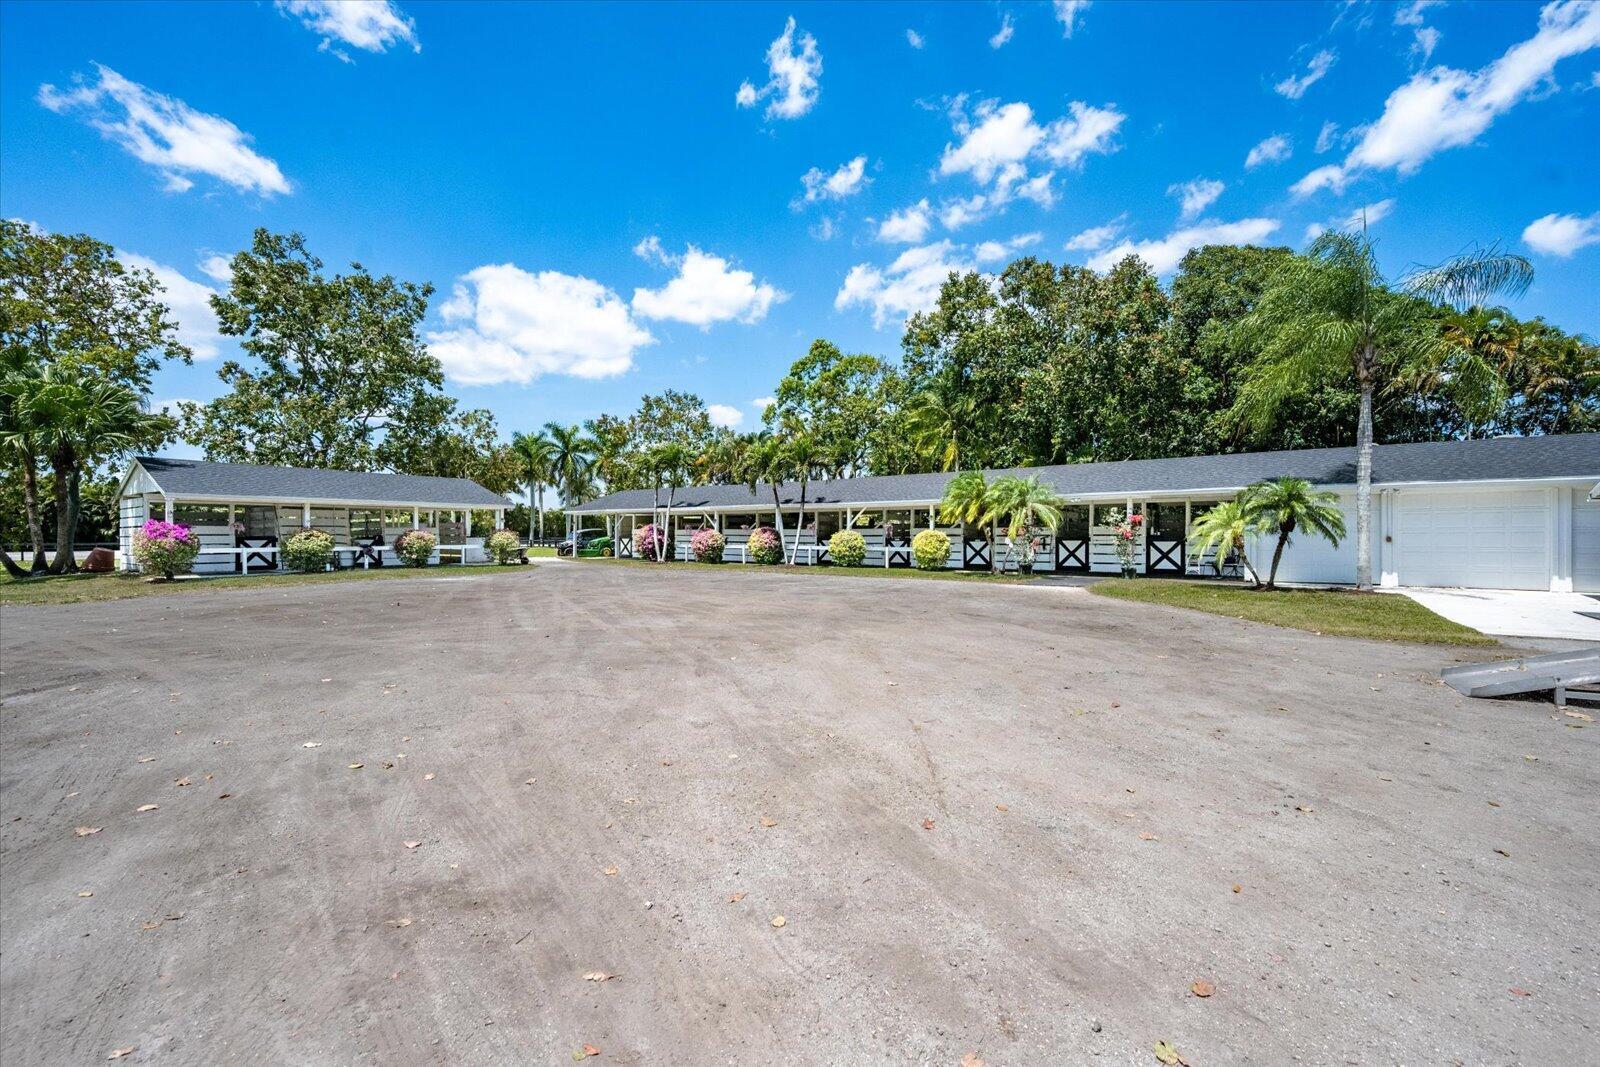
64 563
11 565
666 527
800 525
530 512
1277 554
30 499
1244 565
777 510
1364 478
541 511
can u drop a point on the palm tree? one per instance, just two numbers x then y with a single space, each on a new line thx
1287 504
571 460
1471 357
1022 504
536 454
965 502
19 440
767 460
668 463
1327 315
1224 528
939 422
807 459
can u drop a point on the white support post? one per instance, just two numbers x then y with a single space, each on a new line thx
499 517
416 518
466 524
305 515
168 508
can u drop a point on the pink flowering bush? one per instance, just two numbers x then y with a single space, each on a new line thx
650 542
707 545
764 546
415 547
167 548
1125 528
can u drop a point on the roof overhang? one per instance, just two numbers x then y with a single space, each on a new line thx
314 501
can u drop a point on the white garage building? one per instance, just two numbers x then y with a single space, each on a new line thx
1507 513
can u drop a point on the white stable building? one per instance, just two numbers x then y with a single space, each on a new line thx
1505 513
242 511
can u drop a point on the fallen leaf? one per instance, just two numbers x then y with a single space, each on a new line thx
312 744
972 1059
181 782
388 765
327 679
927 824
590 1050
1202 988
734 898
1166 1053
85 831
149 925
174 917
598 976
86 892
1001 807
530 781
609 871
400 923
428 777
118 1053
779 921
147 807
357 766
1494 803
1519 991
768 822
1147 836
1578 715
147 759
666 763
1503 852
1238 889
1301 807
412 844
403 739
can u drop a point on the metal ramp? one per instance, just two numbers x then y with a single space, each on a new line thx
1559 671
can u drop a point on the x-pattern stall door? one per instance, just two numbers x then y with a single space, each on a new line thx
975 553
1072 539
1163 539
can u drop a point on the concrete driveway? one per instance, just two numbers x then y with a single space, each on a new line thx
1515 612
493 821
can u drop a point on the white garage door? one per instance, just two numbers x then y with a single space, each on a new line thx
1585 542
1487 539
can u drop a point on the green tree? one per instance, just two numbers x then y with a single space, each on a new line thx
535 452
669 463
341 376
941 421
839 398
768 462
966 502
1223 528
1285 505
1021 505
572 461
1327 314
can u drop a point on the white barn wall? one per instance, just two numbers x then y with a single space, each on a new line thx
1585 542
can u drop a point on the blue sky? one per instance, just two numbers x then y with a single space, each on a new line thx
613 200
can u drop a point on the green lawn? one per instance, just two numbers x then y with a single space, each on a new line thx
1341 613
833 569
86 588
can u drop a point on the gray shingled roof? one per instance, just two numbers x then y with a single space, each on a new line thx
1507 458
248 481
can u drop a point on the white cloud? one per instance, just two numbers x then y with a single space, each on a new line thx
370 25
1332 176
724 415
1327 136
914 39
1067 12
1294 88
1371 214
1442 108
1164 254
1313 231
1196 195
794 76
998 141
848 180
762 403
825 229
650 251
1562 235
505 324
995 251
707 290
218 268
909 284
1095 237
1426 39
190 303
1274 149
955 214
1411 14
1003 34
167 133
908 225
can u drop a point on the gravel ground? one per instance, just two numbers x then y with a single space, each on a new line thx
1018 822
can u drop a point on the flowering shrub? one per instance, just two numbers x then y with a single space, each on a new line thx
167 548
308 550
650 542
847 548
415 547
504 546
1125 530
764 546
707 545
930 550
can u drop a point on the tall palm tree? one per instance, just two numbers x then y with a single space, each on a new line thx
1224 528
571 460
1022 504
1285 505
767 461
669 464
536 454
939 422
965 502
1326 316
1471 357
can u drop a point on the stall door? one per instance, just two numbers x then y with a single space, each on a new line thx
1072 540
1163 539
1482 539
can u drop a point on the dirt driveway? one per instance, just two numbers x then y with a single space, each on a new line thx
1013 821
